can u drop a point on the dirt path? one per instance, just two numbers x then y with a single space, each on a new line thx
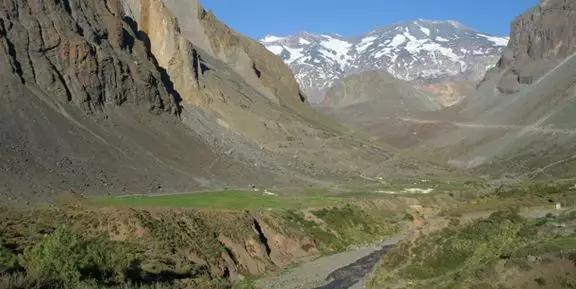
340 271
530 128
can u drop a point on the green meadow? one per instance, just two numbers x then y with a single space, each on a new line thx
221 200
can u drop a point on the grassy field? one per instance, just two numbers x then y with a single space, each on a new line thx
221 200
292 198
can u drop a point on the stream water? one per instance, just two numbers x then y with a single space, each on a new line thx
348 276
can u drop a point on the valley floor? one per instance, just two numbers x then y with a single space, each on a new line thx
285 238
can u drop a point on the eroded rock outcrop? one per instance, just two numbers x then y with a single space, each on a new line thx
81 51
231 244
178 29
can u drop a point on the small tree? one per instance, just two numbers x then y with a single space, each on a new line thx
69 258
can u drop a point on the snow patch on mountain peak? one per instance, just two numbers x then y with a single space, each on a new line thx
498 41
365 43
295 54
303 41
276 49
339 50
398 40
425 30
272 38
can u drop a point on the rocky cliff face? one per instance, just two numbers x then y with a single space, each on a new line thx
543 33
541 38
250 92
81 53
179 31
79 83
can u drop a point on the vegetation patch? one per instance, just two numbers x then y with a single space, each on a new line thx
68 258
75 249
337 228
474 254
221 200
8 260
506 197
471 246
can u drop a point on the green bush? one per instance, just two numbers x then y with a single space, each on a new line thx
341 227
69 258
8 260
470 246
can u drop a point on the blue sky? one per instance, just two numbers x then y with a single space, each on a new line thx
257 18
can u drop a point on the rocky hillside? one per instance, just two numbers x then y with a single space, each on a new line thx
397 97
423 51
521 119
155 96
376 102
85 106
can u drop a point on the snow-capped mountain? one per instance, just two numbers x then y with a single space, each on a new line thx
422 51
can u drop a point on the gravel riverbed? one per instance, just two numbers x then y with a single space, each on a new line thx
345 270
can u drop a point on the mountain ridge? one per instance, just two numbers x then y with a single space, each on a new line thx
420 51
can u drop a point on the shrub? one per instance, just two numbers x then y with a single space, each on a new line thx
471 245
8 260
69 258
540 281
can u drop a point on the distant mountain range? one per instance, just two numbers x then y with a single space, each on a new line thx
424 52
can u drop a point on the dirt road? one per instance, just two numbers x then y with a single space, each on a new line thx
530 128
